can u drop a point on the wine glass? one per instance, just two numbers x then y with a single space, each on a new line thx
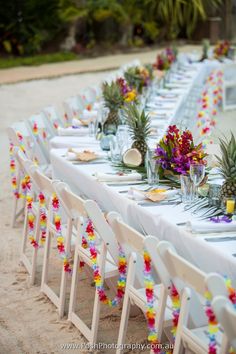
197 173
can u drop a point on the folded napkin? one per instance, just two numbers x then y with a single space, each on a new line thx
106 177
85 155
210 226
80 131
155 195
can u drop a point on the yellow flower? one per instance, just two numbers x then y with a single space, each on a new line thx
130 96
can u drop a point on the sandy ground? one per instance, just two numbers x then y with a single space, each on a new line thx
28 321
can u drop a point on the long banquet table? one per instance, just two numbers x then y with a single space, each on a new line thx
158 220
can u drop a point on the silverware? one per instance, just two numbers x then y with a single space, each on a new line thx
220 239
88 163
147 203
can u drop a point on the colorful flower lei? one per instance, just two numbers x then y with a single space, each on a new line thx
25 182
213 326
43 218
31 220
209 101
60 238
150 312
21 142
122 268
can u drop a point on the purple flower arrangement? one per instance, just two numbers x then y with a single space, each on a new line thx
176 152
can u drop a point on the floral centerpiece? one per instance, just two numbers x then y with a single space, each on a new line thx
165 59
221 49
129 94
138 77
177 151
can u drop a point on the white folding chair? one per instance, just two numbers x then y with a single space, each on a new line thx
191 283
20 136
30 261
53 118
89 95
40 134
74 210
133 244
226 316
107 248
73 107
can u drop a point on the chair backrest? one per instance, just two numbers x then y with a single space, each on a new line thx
126 235
52 117
72 204
180 268
28 168
42 135
73 107
44 183
89 95
226 316
20 135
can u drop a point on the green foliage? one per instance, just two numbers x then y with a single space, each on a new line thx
177 15
26 25
36 60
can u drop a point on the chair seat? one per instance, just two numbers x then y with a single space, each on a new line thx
139 297
47 170
197 339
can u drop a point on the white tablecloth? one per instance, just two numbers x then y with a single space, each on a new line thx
157 220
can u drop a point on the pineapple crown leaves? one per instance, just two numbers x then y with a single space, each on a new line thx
138 122
227 161
112 95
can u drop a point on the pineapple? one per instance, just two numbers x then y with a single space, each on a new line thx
227 165
113 101
139 127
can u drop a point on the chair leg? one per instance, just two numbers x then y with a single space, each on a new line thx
225 345
95 319
46 258
62 297
126 304
25 234
14 212
35 251
160 316
123 322
74 284
185 304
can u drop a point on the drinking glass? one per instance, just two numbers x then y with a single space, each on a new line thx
121 114
197 173
152 168
187 189
102 116
115 150
123 137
